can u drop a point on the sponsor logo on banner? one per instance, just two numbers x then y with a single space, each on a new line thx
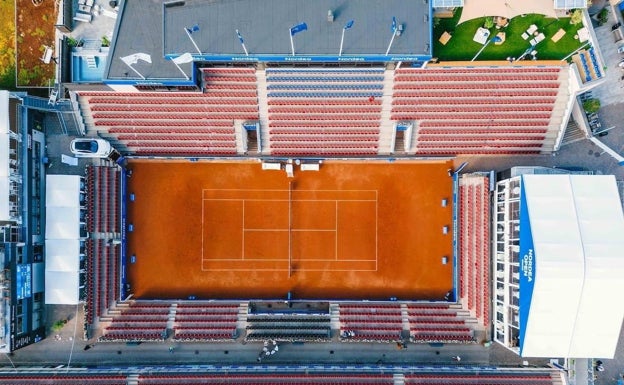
527 265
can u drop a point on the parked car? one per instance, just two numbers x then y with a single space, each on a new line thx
621 49
90 148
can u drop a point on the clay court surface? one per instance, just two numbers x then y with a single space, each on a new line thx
352 230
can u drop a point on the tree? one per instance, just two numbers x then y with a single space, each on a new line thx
489 23
576 17
603 16
591 105
58 325
72 42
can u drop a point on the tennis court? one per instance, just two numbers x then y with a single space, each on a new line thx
232 230
289 230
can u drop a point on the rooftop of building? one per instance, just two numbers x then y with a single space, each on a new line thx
164 29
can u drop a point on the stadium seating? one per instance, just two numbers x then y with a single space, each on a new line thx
481 377
348 376
203 321
288 327
103 185
303 103
139 321
63 378
505 103
207 119
437 323
371 322
474 250
267 378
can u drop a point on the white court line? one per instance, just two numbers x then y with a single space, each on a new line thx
336 201
284 260
282 230
293 200
271 230
248 259
286 190
272 270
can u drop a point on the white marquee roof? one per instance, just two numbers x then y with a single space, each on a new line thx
576 223
62 239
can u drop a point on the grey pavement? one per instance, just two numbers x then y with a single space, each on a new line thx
611 91
68 348
578 154
101 25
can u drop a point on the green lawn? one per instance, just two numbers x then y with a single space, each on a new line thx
462 47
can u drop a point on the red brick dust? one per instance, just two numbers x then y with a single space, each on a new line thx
353 230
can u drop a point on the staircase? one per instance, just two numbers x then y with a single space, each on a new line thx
334 316
263 110
399 142
573 133
386 125
91 63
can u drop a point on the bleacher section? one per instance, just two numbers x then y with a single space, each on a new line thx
65 379
343 111
426 322
438 323
481 110
103 187
139 321
268 379
481 378
102 253
288 327
474 246
324 111
176 123
201 321
371 322
249 375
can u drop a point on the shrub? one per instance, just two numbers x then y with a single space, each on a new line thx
603 16
58 325
576 17
591 105
72 42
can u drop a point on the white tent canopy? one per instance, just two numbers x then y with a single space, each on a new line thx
576 222
62 254
62 239
509 8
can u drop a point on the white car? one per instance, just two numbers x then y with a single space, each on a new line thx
90 148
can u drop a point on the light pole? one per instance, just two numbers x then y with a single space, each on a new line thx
295 30
189 32
240 38
394 33
347 26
